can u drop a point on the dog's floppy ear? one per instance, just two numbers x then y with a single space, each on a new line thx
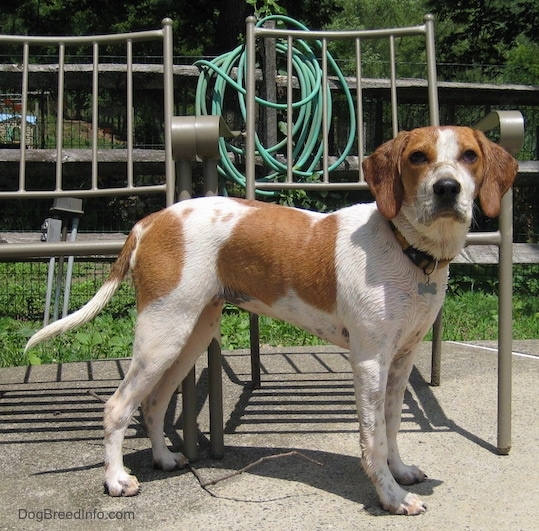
382 171
499 172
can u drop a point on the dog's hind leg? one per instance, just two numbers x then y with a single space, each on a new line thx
154 406
157 343
399 373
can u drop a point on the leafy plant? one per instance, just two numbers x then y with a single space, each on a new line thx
264 8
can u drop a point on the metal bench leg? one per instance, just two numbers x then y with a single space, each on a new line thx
255 350
436 360
189 403
505 324
215 398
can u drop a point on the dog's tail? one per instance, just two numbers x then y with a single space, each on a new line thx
118 272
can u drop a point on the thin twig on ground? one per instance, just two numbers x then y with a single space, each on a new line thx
207 483
91 392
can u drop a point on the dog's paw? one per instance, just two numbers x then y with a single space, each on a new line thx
170 461
410 505
123 486
407 474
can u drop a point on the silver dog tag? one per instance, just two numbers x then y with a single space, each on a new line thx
427 287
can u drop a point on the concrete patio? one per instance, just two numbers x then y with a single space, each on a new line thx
52 454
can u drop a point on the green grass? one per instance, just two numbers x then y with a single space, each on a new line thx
470 313
473 316
235 332
468 316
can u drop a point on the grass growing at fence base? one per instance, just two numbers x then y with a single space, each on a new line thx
468 316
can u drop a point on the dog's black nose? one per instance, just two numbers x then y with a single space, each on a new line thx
447 189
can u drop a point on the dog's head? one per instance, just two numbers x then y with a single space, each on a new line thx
439 171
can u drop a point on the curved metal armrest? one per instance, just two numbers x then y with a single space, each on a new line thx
511 125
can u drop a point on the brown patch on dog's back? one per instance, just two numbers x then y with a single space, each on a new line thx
275 249
159 258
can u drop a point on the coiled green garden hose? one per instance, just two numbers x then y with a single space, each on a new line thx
216 76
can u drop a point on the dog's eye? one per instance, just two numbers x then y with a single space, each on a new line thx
469 156
418 157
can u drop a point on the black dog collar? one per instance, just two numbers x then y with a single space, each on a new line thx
426 262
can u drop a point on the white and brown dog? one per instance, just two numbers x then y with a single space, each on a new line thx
370 278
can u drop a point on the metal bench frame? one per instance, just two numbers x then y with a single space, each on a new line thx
510 125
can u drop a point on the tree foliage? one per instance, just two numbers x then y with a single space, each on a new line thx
482 34
370 14
200 27
487 34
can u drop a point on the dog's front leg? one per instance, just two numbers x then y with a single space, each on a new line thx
370 381
399 374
